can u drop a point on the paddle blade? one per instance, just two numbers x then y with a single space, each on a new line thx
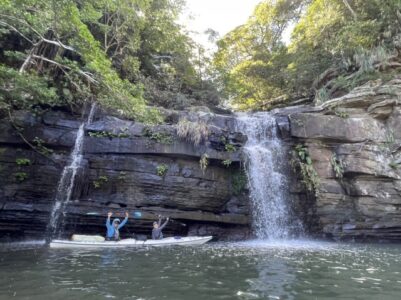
92 214
137 214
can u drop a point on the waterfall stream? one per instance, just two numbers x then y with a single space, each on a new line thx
266 160
67 180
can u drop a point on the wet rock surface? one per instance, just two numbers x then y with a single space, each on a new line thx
360 132
126 166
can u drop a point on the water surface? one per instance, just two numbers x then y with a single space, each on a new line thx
252 270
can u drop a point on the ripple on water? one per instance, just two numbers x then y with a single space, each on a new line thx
247 270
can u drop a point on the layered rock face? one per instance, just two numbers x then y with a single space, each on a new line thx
355 146
126 166
353 142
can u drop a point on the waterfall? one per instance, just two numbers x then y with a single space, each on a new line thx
266 164
67 180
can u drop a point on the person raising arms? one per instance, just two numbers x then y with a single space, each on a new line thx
113 228
157 233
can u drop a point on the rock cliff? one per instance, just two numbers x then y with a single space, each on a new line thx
354 143
126 166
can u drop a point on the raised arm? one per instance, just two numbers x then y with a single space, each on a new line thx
165 223
108 221
160 220
124 221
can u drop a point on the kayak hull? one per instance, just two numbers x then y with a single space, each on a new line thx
128 243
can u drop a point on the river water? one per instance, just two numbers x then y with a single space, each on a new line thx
251 270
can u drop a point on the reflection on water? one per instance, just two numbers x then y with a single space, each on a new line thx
251 270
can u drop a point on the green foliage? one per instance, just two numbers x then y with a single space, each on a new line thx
21 176
161 170
230 147
302 161
106 134
238 182
349 40
322 95
23 161
227 146
394 165
195 132
122 176
204 162
158 136
23 91
252 59
338 166
100 181
227 162
39 146
341 113
68 52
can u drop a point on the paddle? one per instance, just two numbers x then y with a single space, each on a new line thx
137 215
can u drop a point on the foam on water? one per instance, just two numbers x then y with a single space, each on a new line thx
298 244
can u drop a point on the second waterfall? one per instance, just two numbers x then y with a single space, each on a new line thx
67 180
266 163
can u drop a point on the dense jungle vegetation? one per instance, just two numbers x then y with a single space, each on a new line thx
132 56
334 46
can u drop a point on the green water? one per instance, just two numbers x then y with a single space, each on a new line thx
291 270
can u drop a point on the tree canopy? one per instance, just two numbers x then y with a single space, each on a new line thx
132 56
115 52
258 67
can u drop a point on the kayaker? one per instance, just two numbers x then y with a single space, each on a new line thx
113 229
157 233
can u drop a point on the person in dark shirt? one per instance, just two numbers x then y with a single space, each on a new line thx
157 233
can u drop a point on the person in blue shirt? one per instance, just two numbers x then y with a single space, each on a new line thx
113 228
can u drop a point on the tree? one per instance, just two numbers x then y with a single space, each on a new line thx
252 57
331 40
106 51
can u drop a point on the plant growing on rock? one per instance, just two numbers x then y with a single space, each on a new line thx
230 148
341 113
227 146
100 181
162 170
122 176
239 181
322 95
21 176
23 161
338 166
195 132
394 165
107 134
204 162
227 163
159 137
302 161
42 148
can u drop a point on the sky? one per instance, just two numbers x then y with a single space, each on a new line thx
220 15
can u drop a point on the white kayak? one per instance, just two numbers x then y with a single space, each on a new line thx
126 243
